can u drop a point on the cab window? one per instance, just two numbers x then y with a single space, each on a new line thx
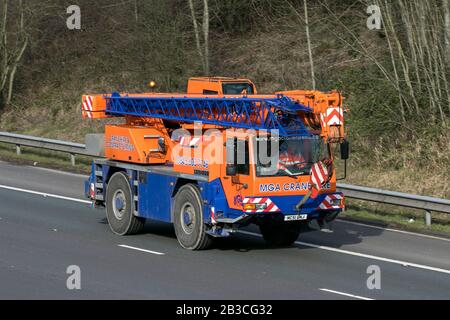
243 159
238 155
237 88
210 92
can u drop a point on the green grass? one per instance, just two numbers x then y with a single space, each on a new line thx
44 158
397 217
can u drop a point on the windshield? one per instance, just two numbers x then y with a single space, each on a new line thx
237 88
289 157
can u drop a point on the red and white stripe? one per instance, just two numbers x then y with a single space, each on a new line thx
195 141
213 215
88 102
270 206
319 175
335 116
187 141
327 203
323 122
92 191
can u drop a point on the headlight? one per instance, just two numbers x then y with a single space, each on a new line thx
255 206
336 202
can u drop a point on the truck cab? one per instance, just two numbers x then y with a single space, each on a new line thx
220 86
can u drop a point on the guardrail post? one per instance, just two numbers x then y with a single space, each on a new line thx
18 150
72 159
428 218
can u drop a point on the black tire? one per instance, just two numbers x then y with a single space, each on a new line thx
280 234
188 219
330 217
121 219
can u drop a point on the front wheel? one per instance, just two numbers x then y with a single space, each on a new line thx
280 234
188 219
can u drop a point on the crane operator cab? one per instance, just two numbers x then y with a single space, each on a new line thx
220 86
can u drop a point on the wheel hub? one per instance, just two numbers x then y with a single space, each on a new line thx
119 204
188 218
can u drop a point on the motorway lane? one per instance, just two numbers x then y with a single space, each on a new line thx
373 241
42 179
40 237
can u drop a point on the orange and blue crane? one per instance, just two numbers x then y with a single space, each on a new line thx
162 163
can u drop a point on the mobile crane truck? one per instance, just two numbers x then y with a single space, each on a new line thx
218 158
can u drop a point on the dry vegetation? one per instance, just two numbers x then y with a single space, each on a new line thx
395 79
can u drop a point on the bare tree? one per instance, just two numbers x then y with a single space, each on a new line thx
304 20
446 5
418 52
203 50
13 44
308 39
136 11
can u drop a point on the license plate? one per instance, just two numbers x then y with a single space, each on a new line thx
297 217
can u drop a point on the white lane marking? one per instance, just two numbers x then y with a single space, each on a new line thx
8 164
58 172
346 294
139 249
393 230
362 255
49 195
74 200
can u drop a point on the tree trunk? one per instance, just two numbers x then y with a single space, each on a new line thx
136 11
446 6
203 52
18 56
206 34
308 39
4 68
387 29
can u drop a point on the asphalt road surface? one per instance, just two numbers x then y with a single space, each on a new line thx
46 226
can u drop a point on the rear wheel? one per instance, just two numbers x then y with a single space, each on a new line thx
120 207
280 234
188 219
331 216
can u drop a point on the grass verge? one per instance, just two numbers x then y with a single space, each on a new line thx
45 158
396 217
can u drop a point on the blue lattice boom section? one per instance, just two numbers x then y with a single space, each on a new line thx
278 113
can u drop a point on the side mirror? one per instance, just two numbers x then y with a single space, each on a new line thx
345 146
231 170
162 145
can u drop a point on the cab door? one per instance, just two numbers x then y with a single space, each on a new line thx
238 171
